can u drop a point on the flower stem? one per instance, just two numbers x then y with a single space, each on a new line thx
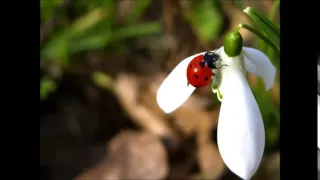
260 35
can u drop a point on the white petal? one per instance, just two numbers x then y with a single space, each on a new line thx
241 135
234 64
173 92
318 121
259 64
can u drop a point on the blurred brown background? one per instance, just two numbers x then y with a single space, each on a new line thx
101 64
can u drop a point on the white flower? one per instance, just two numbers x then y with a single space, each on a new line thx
241 134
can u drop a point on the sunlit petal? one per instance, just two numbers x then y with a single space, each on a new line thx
241 134
174 91
259 64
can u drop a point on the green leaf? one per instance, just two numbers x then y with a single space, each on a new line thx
136 30
274 9
47 86
103 38
89 20
58 47
260 35
273 55
47 8
96 41
266 25
270 113
56 50
103 80
263 20
139 9
206 18
67 43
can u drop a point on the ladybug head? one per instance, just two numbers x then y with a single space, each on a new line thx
210 58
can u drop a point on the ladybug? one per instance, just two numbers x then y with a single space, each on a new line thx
199 71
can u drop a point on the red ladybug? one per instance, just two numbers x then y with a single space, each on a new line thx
199 71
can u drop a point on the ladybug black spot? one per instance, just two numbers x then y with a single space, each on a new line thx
196 76
202 63
206 78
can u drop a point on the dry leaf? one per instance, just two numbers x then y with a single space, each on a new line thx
268 168
127 91
131 155
192 118
210 161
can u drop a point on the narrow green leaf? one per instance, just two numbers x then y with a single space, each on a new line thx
140 8
103 80
266 25
137 30
96 41
262 45
87 21
105 3
265 20
58 47
270 113
47 8
56 50
47 86
274 9
260 35
104 37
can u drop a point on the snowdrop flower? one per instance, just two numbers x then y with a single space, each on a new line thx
241 134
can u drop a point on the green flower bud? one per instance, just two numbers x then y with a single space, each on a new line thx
233 43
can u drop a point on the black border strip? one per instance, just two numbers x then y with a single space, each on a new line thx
298 90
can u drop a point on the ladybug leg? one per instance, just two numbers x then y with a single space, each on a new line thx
222 66
214 76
